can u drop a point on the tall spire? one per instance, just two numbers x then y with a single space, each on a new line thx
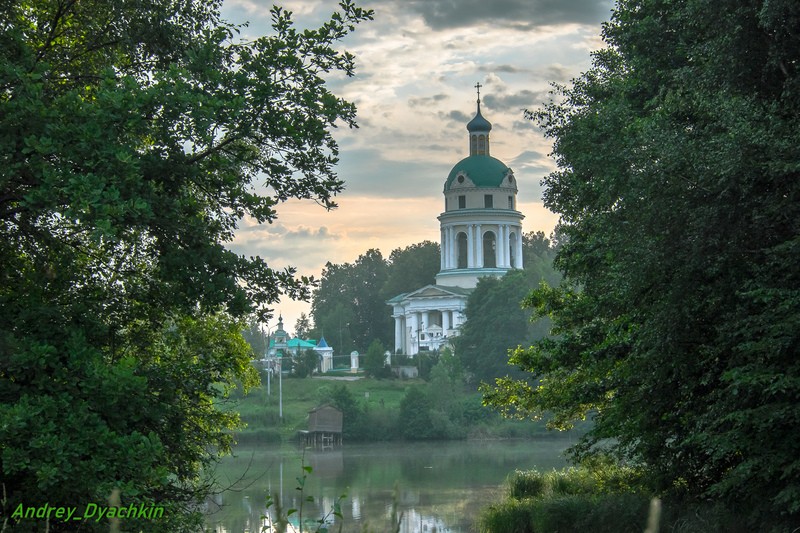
479 129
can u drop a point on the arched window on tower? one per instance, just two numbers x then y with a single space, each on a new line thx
481 144
489 250
461 250
473 144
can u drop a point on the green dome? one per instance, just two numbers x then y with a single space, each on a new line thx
483 170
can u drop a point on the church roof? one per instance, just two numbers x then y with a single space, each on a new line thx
430 291
294 343
397 299
300 343
482 170
479 123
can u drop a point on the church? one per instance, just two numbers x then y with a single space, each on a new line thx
481 235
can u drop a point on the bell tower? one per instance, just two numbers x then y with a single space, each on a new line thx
481 228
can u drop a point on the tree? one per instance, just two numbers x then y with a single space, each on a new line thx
410 268
346 306
255 337
352 413
677 325
302 327
415 416
375 361
495 323
447 381
538 254
349 305
305 363
120 306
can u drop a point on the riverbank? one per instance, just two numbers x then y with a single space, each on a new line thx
604 497
375 412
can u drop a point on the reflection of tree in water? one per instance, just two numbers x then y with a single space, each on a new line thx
440 486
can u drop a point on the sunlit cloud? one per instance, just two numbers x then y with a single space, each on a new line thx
417 64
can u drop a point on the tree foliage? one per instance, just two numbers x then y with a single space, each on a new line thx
679 194
255 337
305 363
353 414
302 327
375 361
349 305
411 268
134 135
345 305
496 322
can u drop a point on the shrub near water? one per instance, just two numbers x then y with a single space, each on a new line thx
603 498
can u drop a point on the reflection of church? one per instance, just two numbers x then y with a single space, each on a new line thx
481 235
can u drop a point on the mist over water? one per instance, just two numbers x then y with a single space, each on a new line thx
435 486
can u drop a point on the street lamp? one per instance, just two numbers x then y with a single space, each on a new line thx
267 358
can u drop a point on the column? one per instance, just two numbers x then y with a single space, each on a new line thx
479 243
445 321
443 255
498 253
446 248
452 246
501 246
519 247
414 326
506 246
426 320
398 333
470 247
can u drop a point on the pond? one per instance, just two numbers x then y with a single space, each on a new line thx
435 486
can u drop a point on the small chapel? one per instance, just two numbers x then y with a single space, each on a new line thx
481 235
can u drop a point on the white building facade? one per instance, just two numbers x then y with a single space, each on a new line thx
481 235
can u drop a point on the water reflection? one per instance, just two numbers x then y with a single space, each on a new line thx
435 487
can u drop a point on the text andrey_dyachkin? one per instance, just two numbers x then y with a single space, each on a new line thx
91 512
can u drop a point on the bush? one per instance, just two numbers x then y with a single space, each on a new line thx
526 484
571 482
511 516
600 498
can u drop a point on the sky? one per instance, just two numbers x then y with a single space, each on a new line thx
417 64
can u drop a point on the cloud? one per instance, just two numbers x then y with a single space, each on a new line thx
416 66
444 14
523 99
558 73
458 116
502 68
427 101
530 167
372 172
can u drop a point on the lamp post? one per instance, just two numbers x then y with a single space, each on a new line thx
268 358
280 350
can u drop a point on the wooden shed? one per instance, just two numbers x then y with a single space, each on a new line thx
324 427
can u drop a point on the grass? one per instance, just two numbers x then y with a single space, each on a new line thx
260 411
380 398
574 499
605 498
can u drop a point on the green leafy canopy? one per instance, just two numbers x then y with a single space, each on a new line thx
135 135
678 191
